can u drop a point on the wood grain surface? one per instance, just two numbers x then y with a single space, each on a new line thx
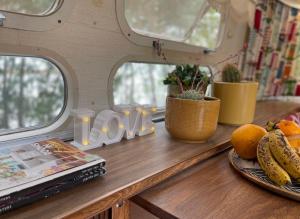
120 210
286 192
213 189
136 165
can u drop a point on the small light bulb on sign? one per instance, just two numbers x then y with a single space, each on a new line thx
126 113
85 142
131 120
82 126
104 129
86 119
154 109
144 113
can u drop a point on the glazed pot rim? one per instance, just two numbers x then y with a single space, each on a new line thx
236 83
206 99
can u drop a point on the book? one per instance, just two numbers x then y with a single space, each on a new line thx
48 189
55 183
26 166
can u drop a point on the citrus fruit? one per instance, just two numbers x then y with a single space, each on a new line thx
245 140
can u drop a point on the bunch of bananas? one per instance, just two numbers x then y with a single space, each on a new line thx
277 158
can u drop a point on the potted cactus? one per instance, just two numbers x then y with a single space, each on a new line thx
190 116
238 98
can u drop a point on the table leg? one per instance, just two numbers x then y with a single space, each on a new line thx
121 210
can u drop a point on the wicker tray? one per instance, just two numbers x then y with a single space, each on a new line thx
252 171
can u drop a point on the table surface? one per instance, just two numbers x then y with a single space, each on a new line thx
213 189
136 165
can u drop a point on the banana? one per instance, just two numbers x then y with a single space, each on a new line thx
266 161
285 155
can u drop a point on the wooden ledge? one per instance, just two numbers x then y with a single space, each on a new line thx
213 189
136 165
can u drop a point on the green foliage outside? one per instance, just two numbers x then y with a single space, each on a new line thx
34 7
175 19
31 92
143 83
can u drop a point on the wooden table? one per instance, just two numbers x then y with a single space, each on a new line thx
136 165
213 189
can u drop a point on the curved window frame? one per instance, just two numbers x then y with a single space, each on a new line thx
159 115
144 40
54 7
51 20
63 116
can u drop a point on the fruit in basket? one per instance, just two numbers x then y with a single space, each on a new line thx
289 128
286 156
267 162
245 140
294 141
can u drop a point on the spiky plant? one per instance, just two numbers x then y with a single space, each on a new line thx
191 82
231 73
191 95
189 75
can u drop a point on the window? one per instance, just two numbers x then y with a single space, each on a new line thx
142 83
193 22
30 7
32 93
35 15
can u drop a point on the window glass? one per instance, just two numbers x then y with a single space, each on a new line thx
32 93
207 31
31 7
142 83
194 22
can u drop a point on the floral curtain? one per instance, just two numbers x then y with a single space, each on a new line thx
273 48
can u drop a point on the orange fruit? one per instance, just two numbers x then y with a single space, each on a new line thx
245 140
294 141
289 128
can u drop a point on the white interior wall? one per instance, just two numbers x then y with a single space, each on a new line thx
89 43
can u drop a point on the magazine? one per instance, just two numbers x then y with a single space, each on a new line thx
49 188
28 165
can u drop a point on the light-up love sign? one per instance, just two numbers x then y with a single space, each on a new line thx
111 126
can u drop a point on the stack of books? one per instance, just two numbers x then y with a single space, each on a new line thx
35 171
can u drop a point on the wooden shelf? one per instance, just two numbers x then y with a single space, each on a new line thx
213 189
133 166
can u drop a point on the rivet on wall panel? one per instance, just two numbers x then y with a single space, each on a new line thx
97 3
229 35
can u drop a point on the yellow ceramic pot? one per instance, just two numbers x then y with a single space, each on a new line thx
238 102
192 120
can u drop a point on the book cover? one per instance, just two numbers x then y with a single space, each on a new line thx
24 166
94 171
45 190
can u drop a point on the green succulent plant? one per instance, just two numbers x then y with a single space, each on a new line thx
192 83
231 73
186 74
191 95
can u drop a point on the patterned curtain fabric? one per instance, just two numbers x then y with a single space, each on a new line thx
273 49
